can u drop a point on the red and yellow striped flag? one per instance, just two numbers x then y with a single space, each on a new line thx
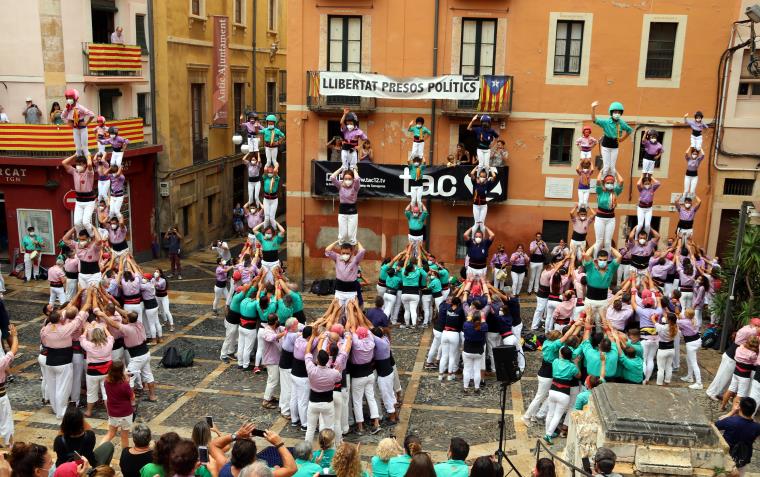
314 84
49 137
113 57
494 92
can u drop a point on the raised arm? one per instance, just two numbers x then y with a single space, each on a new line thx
67 162
593 111
472 121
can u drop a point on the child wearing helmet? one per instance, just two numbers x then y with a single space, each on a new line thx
252 128
118 145
348 216
697 126
652 152
78 117
615 131
101 133
586 143
485 136
253 165
352 137
273 137
419 133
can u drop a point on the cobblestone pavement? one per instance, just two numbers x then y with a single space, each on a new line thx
436 411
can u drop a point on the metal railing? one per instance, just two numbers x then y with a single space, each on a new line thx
333 104
200 151
540 444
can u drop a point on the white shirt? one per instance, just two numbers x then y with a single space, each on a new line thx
116 38
4 118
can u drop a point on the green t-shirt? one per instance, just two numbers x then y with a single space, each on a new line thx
398 465
30 243
564 369
419 132
416 223
150 470
435 285
271 135
604 196
582 399
379 467
550 350
306 468
237 299
631 369
384 272
272 244
443 274
637 346
327 457
414 278
297 301
452 468
597 278
610 126
393 282
248 308
416 172
265 312
283 311
271 184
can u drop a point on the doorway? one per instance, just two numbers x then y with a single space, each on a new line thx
102 25
729 220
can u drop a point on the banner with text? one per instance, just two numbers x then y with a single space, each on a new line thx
367 85
221 72
393 181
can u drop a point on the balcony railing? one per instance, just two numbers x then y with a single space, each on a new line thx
200 151
109 60
495 99
334 104
49 138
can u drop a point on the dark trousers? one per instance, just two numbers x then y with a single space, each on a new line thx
175 263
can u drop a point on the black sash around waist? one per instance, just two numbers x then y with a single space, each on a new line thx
88 267
384 367
72 275
132 299
348 146
696 133
666 345
518 268
220 284
86 196
56 284
59 356
270 196
344 286
578 236
119 246
416 232
161 293
689 339
286 359
98 369
361 370
270 255
233 317
320 396
409 290
150 303
609 142
298 368
562 385
477 265
685 224
691 173
138 350
254 179
593 293
605 213
248 323
543 291
640 262
118 343
536 258
347 209
545 371
743 370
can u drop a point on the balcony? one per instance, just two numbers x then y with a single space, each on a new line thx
334 104
106 63
495 99
49 139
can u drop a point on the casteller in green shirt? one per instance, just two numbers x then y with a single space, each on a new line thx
151 470
398 465
306 468
452 468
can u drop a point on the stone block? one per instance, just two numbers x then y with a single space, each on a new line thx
625 452
663 460
710 458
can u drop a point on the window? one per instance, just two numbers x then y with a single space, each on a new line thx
271 96
199 142
272 15
561 146
749 85
195 7
660 50
463 225
283 86
478 47
567 47
554 230
738 186
186 220
238 95
660 138
344 44
107 101
237 14
143 107
140 37
210 210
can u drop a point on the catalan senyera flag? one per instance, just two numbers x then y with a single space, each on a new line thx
313 84
49 137
113 57
494 92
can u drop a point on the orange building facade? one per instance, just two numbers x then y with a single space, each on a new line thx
658 58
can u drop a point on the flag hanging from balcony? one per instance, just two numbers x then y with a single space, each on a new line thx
113 57
49 137
494 92
313 84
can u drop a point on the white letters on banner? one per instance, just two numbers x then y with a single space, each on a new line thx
379 86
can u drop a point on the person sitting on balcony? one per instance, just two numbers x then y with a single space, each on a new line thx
78 117
273 137
101 133
420 132
485 136
118 145
352 135
117 37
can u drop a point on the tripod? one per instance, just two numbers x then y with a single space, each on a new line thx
500 452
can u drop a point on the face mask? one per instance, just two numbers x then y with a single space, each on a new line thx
350 127
270 126
609 186
156 274
642 241
80 168
416 214
114 226
70 101
419 125
482 180
688 206
602 263
694 156
583 217
699 120
268 236
615 116
348 182
478 239
32 234
585 171
83 243
345 256
101 207
144 281
653 140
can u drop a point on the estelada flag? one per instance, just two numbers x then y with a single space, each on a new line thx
494 91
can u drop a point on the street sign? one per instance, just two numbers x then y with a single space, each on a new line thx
70 200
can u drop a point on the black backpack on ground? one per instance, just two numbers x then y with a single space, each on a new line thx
323 287
174 358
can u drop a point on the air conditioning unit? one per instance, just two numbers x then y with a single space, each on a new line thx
163 189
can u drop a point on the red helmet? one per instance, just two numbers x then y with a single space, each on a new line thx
586 128
72 93
147 276
101 120
236 275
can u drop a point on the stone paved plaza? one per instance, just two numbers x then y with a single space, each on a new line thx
436 411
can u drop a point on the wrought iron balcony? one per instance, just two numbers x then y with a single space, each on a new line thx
334 104
495 99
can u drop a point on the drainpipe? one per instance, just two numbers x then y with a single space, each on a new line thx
436 14
153 121
253 75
